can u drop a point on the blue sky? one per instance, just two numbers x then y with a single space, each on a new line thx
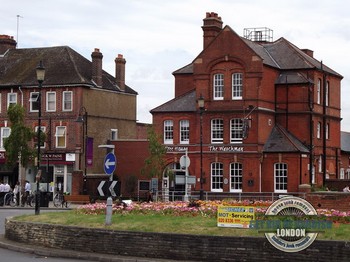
156 37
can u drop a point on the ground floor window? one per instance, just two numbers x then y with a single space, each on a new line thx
217 177
236 177
281 174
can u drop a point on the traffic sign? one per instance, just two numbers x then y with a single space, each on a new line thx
106 188
185 161
110 163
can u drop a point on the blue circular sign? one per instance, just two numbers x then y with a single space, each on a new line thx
110 163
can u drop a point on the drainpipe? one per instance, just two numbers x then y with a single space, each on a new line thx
324 119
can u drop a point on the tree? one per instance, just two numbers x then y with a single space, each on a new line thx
17 144
155 163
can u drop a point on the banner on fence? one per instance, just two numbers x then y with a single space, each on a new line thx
235 216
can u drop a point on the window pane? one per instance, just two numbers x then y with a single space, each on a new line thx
168 132
281 178
34 101
51 101
61 136
217 131
217 176
236 176
184 131
218 86
67 101
237 86
236 130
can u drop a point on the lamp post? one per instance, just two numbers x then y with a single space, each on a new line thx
200 102
82 118
40 76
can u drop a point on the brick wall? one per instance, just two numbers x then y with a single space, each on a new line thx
330 200
172 246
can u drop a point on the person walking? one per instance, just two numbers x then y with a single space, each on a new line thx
16 190
27 190
2 193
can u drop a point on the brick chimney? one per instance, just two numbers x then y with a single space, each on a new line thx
308 52
97 66
6 43
120 71
212 25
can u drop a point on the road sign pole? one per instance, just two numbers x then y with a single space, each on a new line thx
186 176
109 167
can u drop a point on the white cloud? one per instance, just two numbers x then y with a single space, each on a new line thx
157 37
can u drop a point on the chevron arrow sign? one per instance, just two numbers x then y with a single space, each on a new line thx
109 188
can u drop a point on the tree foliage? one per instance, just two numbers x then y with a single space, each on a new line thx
17 144
155 163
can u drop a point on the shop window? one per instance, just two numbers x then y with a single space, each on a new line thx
217 177
236 174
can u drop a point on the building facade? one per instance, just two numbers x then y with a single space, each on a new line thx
74 89
271 116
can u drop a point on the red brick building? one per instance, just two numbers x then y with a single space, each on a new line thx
73 87
271 118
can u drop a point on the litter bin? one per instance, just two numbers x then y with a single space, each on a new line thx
44 199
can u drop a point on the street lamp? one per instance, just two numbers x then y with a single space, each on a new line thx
82 118
40 76
200 102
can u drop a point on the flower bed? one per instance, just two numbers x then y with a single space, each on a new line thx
197 208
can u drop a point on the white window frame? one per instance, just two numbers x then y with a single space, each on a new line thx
318 131
43 130
320 164
281 177
318 98
217 176
50 102
3 135
34 96
217 131
236 177
327 93
168 132
342 173
184 131
67 102
61 131
236 130
11 99
237 86
218 87
114 134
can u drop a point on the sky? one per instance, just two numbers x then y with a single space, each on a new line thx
157 37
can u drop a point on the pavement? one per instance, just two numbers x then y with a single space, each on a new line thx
66 253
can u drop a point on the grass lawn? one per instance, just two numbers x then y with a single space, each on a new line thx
164 223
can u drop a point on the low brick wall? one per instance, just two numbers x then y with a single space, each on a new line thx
330 200
170 246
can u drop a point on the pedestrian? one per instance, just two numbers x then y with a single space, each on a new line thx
27 190
2 193
16 190
150 196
